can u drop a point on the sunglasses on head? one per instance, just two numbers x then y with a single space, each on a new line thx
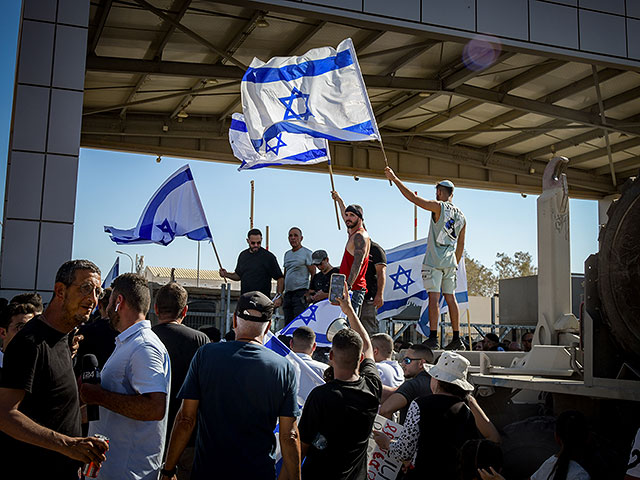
408 360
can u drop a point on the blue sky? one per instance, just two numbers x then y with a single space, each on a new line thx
114 187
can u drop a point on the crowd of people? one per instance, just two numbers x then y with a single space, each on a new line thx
88 380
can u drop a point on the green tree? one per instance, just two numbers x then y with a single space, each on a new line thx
480 279
521 265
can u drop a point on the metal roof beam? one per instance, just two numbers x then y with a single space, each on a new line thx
550 98
369 40
105 8
304 38
411 46
601 152
407 58
622 166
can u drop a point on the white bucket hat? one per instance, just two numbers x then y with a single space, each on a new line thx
451 368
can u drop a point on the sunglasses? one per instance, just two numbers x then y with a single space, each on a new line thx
408 360
87 289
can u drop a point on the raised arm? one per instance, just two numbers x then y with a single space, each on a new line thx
359 256
355 323
290 447
460 244
341 204
486 428
431 205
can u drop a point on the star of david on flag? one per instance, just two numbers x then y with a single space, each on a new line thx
321 94
283 149
404 278
319 317
175 210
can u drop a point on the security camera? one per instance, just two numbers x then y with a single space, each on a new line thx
356 178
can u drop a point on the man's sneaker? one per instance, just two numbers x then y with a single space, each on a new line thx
456 344
432 343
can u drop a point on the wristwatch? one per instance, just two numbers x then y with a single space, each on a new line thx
168 473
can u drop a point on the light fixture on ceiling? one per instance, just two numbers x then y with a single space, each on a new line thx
262 23
523 195
212 81
182 114
165 128
532 170
159 159
424 94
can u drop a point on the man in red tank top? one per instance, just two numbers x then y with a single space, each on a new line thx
356 253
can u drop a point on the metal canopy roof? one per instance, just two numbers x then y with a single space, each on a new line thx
163 77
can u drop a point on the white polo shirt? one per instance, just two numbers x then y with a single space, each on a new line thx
139 364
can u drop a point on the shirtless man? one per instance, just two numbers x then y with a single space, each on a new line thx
444 251
356 253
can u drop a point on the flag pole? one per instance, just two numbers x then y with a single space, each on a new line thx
252 197
333 189
415 221
384 154
217 257
469 326
198 269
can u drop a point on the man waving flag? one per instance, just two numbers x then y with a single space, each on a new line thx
321 94
174 210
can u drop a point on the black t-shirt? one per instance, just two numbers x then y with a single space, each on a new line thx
182 343
415 387
376 257
99 339
321 281
256 271
38 361
336 422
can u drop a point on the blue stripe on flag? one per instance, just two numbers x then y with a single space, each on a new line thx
393 304
408 253
277 346
303 157
287 73
199 234
238 125
147 222
366 128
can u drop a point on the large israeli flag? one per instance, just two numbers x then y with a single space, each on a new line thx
113 274
321 94
404 285
174 210
285 149
321 317
462 297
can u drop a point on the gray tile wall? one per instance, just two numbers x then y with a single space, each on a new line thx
42 169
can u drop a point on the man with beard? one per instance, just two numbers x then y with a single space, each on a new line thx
39 408
135 386
255 269
356 254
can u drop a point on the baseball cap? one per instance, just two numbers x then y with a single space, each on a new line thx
318 256
446 183
254 301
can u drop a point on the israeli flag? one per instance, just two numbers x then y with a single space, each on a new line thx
404 285
174 210
285 149
113 274
321 94
462 297
322 317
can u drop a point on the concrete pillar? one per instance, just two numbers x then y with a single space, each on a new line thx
42 166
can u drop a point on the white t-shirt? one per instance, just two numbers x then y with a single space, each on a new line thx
391 373
576 472
633 469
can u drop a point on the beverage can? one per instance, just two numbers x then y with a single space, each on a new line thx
91 469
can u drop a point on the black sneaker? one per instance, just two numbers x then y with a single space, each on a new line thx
456 344
432 343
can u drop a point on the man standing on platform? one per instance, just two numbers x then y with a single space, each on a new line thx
319 288
445 247
298 267
255 269
356 254
376 278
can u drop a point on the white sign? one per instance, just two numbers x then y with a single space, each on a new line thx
380 465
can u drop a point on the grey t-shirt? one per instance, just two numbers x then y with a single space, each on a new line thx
443 237
296 272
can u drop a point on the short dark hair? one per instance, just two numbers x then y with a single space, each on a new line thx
296 228
382 342
304 335
12 310
449 190
423 352
106 295
254 231
135 291
171 300
212 332
67 271
347 345
493 337
525 334
32 298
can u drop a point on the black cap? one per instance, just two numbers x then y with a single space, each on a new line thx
356 209
254 301
318 256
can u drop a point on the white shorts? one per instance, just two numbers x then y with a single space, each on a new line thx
439 279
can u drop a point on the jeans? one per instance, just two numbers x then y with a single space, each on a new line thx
293 304
368 317
357 297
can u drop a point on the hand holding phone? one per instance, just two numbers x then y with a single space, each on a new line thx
336 287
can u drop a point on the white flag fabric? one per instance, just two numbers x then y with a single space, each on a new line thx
462 297
174 210
404 285
113 274
320 93
320 317
285 149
